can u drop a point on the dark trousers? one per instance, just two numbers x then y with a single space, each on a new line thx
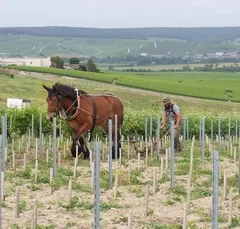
177 143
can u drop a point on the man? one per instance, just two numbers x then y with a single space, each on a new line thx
173 113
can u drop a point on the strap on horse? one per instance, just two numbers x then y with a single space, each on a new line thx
94 118
94 112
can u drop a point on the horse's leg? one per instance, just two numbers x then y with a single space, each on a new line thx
82 148
73 148
119 146
113 142
118 143
78 139
105 127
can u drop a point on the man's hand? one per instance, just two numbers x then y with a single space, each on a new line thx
176 126
162 126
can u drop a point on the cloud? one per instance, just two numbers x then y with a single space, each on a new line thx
226 11
199 2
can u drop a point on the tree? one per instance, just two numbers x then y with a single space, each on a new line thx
74 60
57 62
82 67
91 67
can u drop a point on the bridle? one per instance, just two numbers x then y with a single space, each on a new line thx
59 111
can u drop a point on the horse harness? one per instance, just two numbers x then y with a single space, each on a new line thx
77 108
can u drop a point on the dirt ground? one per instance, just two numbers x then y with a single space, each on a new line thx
165 207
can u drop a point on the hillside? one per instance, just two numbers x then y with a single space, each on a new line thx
87 42
26 45
201 34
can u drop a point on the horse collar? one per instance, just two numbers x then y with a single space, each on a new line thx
68 118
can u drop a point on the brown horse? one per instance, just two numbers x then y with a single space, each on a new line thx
84 112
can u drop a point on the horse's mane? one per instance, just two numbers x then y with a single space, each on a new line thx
66 90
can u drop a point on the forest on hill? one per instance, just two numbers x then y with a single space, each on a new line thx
198 34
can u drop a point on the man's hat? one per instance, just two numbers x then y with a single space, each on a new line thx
166 100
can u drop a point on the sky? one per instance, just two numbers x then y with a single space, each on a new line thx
120 13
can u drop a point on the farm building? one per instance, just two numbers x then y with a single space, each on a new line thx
26 61
18 103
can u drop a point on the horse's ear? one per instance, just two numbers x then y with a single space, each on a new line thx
54 88
47 88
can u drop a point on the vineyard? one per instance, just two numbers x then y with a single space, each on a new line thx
20 120
141 195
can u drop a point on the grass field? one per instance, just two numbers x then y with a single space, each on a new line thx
29 85
26 45
160 67
208 85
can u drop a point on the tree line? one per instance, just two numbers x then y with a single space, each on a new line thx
198 34
74 63
131 61
186 68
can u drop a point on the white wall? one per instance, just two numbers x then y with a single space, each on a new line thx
18 103
36 62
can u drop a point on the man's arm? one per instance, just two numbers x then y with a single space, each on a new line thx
179 119
164 118
179 115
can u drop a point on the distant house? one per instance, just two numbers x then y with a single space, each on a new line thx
18 103
26 61
219 53
144 54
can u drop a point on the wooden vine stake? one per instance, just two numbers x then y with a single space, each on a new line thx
36 170
24 161
161 171
35 214
17 202
75 167
116 184
129 171
147 201
59 159
224 185
188 191
154 179
70 190
51 180
185 208
13 160
139 161
130 220
230 207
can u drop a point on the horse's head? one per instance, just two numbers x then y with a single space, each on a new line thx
54 102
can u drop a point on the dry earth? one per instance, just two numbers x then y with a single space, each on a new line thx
165 206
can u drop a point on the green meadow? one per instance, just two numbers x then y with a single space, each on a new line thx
207 85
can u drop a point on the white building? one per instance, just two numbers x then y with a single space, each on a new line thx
26 61
18 103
